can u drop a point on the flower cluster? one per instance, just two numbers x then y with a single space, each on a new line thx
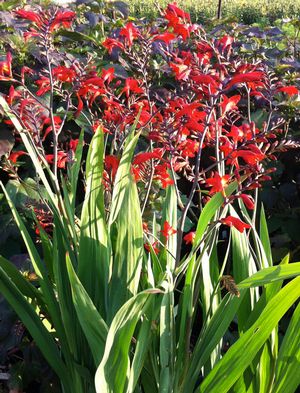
190 95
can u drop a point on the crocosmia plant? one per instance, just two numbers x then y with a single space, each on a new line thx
140 162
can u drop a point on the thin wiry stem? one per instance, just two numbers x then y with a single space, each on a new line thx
54 133
248 105
194 186
148 189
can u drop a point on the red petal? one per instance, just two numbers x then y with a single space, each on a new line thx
248 201
289 90
229 104
143 157
30 15
189 237
166 37
235 222
167 230
255 76
15 155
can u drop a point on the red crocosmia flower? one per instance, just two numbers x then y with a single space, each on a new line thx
57 121
289 90
167 230
161 174
62 159
190 111
207 80
251 156
13 157
235 222
194 126
73 144
111 165
204 52
189 237
225 42
111 43
79 106
181 71
145 227
139 162
12 94
43 84
64 74
25 70
187 57
248 201
189 148
236 133
47 121
165 180
226 146
143 157
172 9
93 81
5 68
108 75
130 33
182 30
31 33
253 77
35 17
132 85
218 183
154 246
166 37
229 104
62 18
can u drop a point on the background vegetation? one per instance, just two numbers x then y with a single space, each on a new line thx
243 10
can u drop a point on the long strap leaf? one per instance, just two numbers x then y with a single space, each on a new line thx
94 246
93 325
287 375
40 334
113 372
242 353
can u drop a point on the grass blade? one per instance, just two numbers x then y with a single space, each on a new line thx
166 347
287 374
73 171
93 325
242 353
264 236
94 248
126 233
113 372
271 274
169 214
40 270
40 334
243 267
210 337
27 289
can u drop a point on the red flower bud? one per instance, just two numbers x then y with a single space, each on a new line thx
235 222
248 201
